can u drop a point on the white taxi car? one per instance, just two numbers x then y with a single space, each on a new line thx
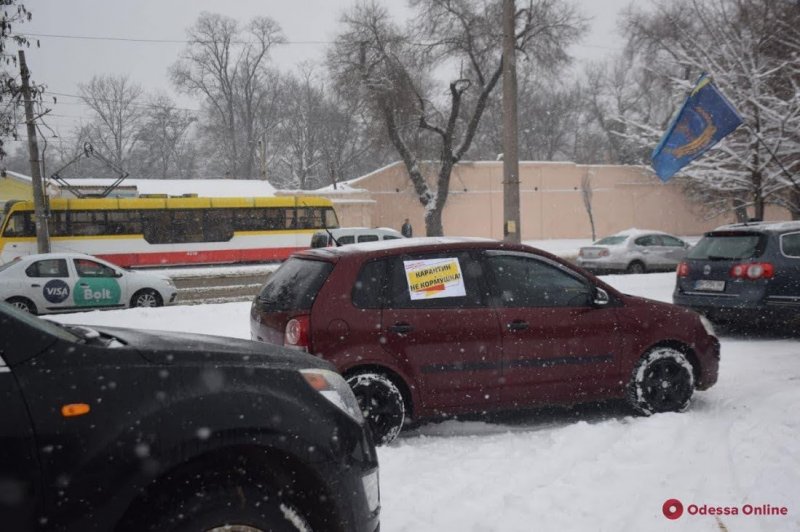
67 282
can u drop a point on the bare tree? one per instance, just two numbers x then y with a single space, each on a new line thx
399 72
116 104
13 13
227 67
165 150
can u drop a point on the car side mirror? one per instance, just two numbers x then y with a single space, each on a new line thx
600 297
117 274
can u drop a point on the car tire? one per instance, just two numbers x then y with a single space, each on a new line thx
22 303
382 404
146 297
221 507
636 267
662 381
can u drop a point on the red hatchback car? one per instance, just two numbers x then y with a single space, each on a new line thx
436 326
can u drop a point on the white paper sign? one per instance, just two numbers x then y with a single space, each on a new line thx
434 278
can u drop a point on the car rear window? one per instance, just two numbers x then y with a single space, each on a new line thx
611 240
294 285
728 246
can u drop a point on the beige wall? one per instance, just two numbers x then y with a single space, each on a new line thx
550 199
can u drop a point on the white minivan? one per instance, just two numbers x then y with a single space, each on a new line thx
352 235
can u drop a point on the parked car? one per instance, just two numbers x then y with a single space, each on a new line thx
633 251
66 282
120 429
747 272
439 326
352 235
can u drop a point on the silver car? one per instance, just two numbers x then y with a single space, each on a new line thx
633 251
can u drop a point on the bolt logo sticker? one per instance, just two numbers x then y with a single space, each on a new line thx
96 292
673 509
55 291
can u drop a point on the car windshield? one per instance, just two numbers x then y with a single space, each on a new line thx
728 246
611 240
43 325
8 264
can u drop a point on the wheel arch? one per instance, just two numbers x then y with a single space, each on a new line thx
281 468
408 395
684 348
155 292
27 300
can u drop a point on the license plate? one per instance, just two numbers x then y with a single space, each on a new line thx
711 286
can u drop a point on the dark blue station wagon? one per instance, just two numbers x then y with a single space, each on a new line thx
744 272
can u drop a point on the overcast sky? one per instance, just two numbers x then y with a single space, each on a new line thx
62 62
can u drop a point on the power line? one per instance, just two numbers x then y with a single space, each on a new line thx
190 41
154 41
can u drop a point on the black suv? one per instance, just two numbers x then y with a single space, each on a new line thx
119 429
744 272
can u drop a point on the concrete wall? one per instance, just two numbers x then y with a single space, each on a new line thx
551 201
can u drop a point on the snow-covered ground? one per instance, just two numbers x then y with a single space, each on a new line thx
588 468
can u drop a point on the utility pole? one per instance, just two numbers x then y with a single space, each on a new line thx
511 217
40 213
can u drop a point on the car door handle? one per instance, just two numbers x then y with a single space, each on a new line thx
83 284
518 325
36 286
401 328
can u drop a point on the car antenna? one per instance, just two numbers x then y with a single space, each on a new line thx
303 203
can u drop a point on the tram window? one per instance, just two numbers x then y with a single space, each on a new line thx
124 223
329 218
156 226
58 223
218 225
20 225
261 219
88 223
187 226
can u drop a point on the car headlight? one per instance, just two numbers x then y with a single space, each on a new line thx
335 389
707 325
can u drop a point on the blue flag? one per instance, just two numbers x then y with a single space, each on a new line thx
705 118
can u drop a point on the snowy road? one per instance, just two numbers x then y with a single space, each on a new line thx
587 468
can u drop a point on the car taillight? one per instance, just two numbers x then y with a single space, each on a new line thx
683 269
604 253
757 270
296 333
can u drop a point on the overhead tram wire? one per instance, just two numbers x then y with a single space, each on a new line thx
190 41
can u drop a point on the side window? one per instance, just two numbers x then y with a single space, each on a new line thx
671 241
442 280
20 225
87 223
367 238
90 268
648 240
523 281
390 237
48 268
371 285
346 240
790 245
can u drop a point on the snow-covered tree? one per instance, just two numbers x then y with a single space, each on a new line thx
402 73
751 48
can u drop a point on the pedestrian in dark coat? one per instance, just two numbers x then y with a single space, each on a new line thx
406 230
